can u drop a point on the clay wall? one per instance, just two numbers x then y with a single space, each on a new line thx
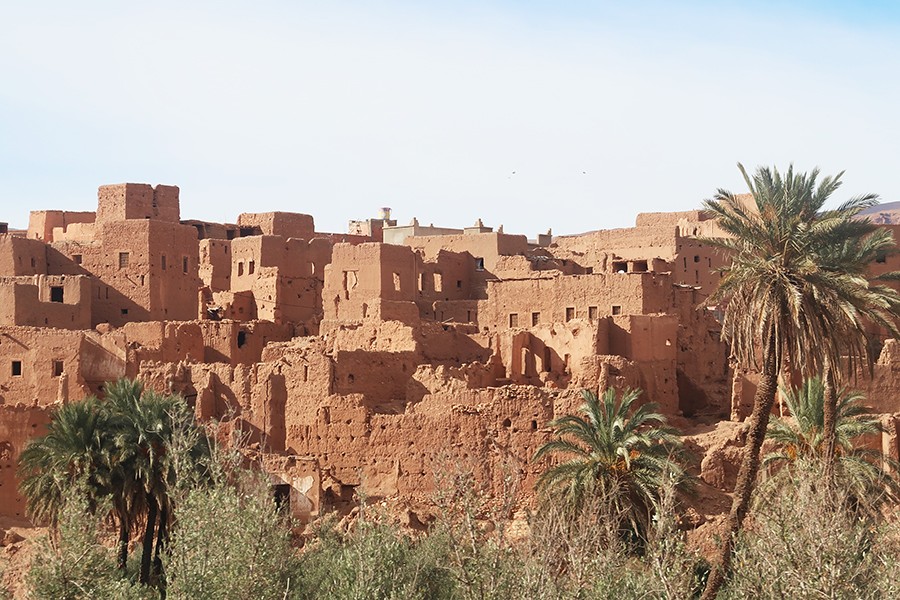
235 342
207 230
527 302
215 264
46 300
144 270
285 276
22 256
370 281
695 264
42 224
285 224
18 424
40 366
704 375
488 247
137 201
667 219
399 234
486 430
632 243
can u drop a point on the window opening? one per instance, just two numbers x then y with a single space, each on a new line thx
56 293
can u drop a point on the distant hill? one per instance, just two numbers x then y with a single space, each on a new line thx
887 213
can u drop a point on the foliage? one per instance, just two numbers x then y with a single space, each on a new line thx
76 448
230 542
373 561
118 449
803 544
802 438
75 565
794 293
626 456
798 271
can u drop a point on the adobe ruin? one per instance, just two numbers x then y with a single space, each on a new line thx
365 358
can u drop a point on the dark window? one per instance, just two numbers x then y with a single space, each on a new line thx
881 258
57 368
76 258
479 264
592 312
251 267
124 311
570 313
123 260
56 293
458 283
616 309
513 319
163 262
282 494
620 267
184 265
696 259
17 368
640 266
240 268
535 318
241 338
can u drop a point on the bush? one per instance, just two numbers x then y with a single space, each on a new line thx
230 542
806 542
374 561
74 565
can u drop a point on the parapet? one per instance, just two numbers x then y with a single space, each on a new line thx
42 223
295 225
138 201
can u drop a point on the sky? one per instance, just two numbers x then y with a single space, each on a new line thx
532 114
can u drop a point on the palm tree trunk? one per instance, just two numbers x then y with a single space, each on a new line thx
829 423
147 555
124 535
763 401
162 537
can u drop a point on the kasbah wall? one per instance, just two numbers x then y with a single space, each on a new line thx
350 363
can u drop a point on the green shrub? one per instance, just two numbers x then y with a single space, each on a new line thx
803 541
230 542
74 565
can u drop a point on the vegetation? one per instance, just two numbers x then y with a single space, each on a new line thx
801 439
805 544
230 540
620 454
117 450
795 293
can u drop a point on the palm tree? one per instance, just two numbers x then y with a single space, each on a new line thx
76 448
802 438
625 456
795 294
147 421
119 449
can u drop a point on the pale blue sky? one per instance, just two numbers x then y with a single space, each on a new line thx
534 114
